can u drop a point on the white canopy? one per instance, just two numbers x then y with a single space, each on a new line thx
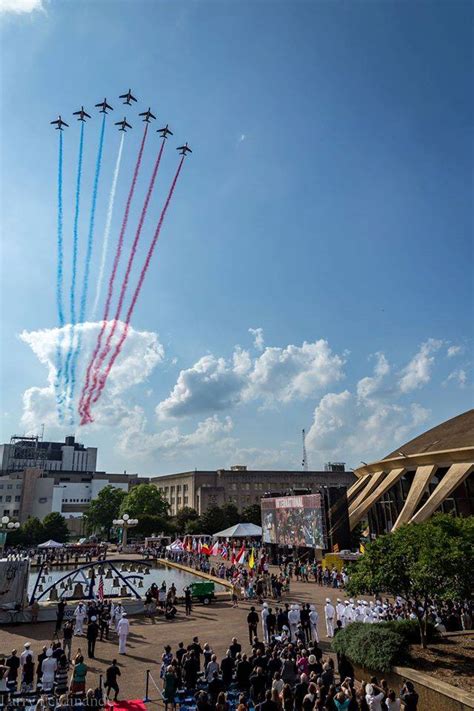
240 530
50 544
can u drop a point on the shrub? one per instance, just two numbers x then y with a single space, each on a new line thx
410 630
373 646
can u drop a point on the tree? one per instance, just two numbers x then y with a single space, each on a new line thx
33 531
184 516
252 514
148 525
424 563
212 520
55 527
102 510
230 514
144 499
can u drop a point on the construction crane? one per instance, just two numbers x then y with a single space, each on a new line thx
304 462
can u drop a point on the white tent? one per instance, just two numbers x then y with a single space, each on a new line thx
240 530
50 544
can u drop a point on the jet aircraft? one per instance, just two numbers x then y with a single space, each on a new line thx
123 125
104 106
81 113
128 97
148 115
184 149
164 132
60 123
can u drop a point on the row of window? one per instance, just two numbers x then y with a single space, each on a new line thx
7 512
10 486
8 498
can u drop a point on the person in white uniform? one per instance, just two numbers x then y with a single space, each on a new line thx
340 611
330 615
48 669
264 615
313 621
117 614
123 628
293 620
80 614
26 653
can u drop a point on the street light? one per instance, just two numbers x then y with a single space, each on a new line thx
125 522
7 525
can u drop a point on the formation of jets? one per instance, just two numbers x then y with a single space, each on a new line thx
105 108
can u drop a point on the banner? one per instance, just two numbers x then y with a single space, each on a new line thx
13 582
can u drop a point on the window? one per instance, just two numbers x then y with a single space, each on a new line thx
1 486
185 500
185 488
178 487
1 498
9 486
17 498
42 500
6 512
8 499
234 486
247 486
18 486
16 512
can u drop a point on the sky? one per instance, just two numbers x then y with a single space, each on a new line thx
314 269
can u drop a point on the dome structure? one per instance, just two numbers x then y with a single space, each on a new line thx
430 473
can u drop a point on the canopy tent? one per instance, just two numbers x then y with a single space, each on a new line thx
241 530
50 544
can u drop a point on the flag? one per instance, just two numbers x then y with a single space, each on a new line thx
241 555
205 550
252 559
195 545
362 548
215 549
232 557
199 547
224 552
335 548
100 589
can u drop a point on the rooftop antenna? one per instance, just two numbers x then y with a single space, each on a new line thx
304 462
42 432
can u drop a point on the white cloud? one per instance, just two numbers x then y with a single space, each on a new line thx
454 351
242 137
418 371
370 385
21 6
141 352
459 377
258 340
278 375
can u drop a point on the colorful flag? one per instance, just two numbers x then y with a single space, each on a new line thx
252 559
232 557
100 589
215 549
199 548
241 555
224 552
362 548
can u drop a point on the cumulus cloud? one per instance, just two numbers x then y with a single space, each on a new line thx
258 340
418 371
141 353
370 385
454 351
458 377
278 375
21 6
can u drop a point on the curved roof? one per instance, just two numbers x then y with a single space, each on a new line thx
456 433
240 530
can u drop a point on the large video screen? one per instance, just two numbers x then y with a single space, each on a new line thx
296 521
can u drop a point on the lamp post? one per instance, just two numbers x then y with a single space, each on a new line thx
125 522
6 525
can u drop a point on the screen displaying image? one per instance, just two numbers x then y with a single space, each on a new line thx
294 521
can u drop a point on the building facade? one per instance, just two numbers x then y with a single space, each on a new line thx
23 452
240 486
431 473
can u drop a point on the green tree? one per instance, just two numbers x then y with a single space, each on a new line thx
55 527
230 514
252 514
144 499
149 524
424 562
184 516
33 531
102 510
212 520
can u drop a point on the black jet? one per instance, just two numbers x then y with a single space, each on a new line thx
124 125
164 132
104 106
128 97
82 113
184 149
148 115
60 123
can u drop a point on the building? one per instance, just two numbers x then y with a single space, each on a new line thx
37 478
241 486
431 473
23 452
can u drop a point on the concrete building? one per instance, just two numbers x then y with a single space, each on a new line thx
431 473
23 452
241 486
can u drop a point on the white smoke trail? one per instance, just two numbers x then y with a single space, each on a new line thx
108 223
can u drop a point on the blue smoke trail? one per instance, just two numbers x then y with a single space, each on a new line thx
75 245
59 279
85 281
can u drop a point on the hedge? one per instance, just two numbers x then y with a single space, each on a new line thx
373 646
410 630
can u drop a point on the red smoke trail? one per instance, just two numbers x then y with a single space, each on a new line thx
103 378
106 350
110 289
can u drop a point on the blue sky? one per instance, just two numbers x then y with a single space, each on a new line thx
327 202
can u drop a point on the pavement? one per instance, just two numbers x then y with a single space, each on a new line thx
215 624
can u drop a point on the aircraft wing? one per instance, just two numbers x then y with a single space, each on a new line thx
132 98
108 106
152 115
86 114
65 124
123 96
77 113
127 124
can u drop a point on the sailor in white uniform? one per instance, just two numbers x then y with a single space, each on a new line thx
313 621
80 613
123 628
330 615
264 614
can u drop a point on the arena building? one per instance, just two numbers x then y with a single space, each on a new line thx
431 473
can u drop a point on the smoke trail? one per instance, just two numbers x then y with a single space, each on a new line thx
123 290
118 348
75 245
108 223
118 253
85 281
59 279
